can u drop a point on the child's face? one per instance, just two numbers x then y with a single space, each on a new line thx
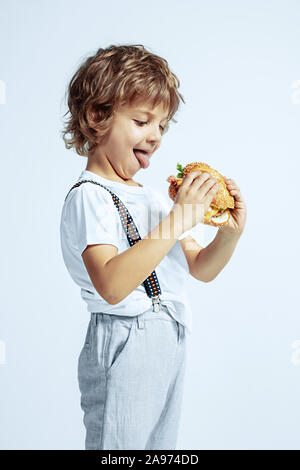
127 133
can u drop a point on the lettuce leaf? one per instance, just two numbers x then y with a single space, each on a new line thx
180 170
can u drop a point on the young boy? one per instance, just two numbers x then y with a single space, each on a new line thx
132 364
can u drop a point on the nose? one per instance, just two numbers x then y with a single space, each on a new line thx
154 137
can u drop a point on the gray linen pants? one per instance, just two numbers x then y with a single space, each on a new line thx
131 376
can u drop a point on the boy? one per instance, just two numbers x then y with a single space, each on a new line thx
132 364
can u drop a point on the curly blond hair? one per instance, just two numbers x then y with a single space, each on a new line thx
112 77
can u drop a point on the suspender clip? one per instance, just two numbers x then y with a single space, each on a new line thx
156 303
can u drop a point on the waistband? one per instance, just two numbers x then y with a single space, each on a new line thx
146 316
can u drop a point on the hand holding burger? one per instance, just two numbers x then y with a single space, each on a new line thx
229 189
216 200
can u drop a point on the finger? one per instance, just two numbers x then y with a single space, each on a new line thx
234 191
203 178
202 181
236 195
232 184
190 177
228 181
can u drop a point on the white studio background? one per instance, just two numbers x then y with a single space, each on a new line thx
239 68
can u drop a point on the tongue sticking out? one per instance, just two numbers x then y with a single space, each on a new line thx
142 158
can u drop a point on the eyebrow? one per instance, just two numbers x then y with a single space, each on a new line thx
150 114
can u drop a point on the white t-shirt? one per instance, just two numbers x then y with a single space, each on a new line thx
89 217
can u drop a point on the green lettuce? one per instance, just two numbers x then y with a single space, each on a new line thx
180 170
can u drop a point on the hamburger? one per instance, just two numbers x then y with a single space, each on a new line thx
219 210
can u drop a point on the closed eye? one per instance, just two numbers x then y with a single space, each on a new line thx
141 123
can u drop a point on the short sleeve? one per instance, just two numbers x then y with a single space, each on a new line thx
93 217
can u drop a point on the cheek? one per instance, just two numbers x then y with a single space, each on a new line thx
124 137
135 133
